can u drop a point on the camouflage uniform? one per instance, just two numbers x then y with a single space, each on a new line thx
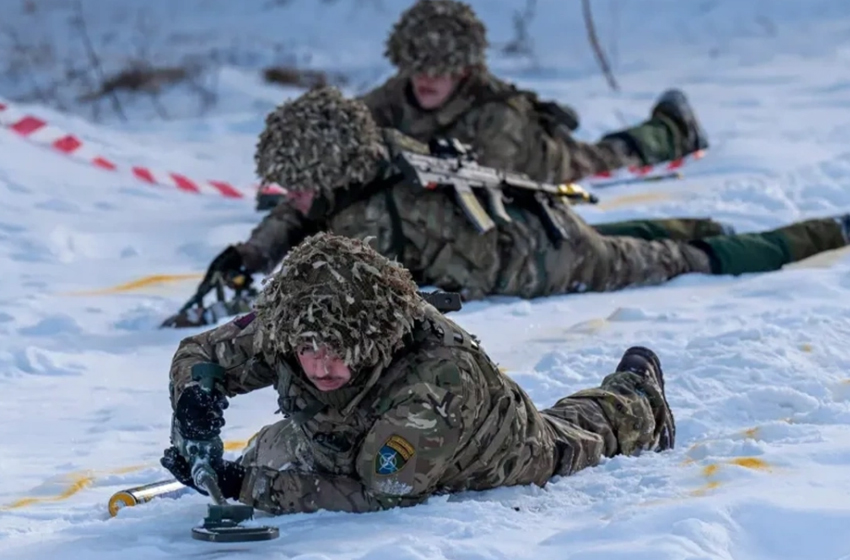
426 411
427 232
511 128
506 131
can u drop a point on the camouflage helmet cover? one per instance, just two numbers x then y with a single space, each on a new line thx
318 142
339 293
437 37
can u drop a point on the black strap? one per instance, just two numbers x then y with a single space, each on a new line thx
358 192
444 302
397 241
550 114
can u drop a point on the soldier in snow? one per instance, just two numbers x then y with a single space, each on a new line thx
443 88
342 176
385 400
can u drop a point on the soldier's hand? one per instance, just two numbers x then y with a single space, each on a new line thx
230 474
200 415
229 263
179 468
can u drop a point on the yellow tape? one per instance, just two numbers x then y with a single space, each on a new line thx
712 469
749 433
632 199
708 471
81 480
237 445
144 282
78 482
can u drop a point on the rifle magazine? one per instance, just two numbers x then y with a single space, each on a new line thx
497 206
472 208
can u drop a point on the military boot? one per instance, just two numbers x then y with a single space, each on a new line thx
844 223
675 106
645 363
672 132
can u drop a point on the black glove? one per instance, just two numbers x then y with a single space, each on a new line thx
228 263
230 475
200 415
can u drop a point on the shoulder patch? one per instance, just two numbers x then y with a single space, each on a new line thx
245 320
393 455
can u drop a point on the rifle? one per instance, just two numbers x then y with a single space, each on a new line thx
452 164
444 302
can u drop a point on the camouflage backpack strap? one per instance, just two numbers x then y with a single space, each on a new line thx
550 114
381 186
448 333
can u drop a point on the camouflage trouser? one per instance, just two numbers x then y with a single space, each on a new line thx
621 416
681 229
597 263
625 415
590 262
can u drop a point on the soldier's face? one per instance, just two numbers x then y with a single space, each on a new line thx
323 369
301 200
431 92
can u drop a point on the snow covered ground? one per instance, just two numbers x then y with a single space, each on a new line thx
756 366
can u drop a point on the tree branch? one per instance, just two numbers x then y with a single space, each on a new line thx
597 49
95 61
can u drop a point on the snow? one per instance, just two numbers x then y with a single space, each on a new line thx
756 366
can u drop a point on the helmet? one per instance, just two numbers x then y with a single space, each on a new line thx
437 37
319 142
339 293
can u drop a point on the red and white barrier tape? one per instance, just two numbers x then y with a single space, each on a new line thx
600 179
38 131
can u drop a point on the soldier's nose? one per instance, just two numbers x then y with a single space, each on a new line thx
322 369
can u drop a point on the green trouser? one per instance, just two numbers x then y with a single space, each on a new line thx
653 141
771 250
678 229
